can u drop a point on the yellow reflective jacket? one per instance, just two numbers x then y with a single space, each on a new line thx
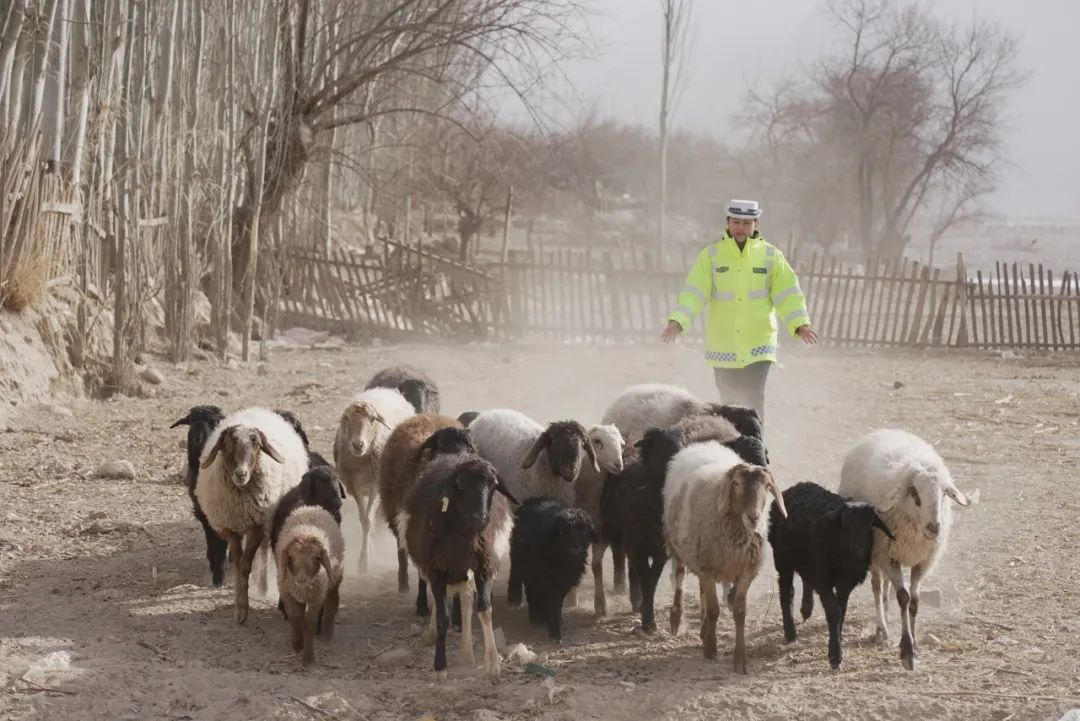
742 289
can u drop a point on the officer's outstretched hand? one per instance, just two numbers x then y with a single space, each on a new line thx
671 332
809 337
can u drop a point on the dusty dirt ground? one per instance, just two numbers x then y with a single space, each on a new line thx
114 571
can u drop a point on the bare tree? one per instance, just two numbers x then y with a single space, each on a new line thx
673 52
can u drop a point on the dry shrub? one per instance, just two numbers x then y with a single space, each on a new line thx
24 282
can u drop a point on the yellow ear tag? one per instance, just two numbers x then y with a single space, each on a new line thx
445 503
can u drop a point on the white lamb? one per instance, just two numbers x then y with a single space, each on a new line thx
903 477
250 460
533 460
714 523
365 425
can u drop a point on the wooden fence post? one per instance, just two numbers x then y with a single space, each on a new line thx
961 300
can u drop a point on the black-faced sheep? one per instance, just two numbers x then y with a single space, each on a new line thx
714 526
458 526
249 462
310 553
632 521
364 426
201 422
548 548
905 479
411 444
412 383
533 460
827 541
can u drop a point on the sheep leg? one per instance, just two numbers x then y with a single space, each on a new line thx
328 613
635 586
786 583
876 585
463 597
514 586
307 656
295 614
483 600
742 585
903 598
917 574
807 607
833 617
537 606
367 519
442 624
422 608
252 540
710 606
618 556
402 570
599 599
554 616
677 600
215 552
647 577
455 612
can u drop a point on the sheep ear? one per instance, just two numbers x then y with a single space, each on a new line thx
833 516
267 448
382 422
185 421
777 494
591 452
325 563
878 522
955 493
217 447
541 443
500 486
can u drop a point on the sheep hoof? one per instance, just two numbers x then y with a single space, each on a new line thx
881 636
790 638
834 664
648 627
441 676
492 665
907 653
241 616
307 659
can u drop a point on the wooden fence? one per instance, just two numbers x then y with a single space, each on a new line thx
578 296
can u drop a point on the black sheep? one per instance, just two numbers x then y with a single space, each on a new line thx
314 459
548 548
414 384
459 525
201 422
827 540
631 513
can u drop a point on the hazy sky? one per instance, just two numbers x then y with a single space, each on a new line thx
736 43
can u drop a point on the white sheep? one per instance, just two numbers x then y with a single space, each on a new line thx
660 405
237 488
533 460
903 477
608 444
714 523
365 425
310 558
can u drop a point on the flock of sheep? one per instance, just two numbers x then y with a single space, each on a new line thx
664 475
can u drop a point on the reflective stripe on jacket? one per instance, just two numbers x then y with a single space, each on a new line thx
741 290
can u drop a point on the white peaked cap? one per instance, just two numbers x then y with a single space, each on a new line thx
744 209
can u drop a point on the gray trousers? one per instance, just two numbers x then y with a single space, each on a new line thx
744 386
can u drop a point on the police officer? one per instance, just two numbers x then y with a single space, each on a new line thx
742 279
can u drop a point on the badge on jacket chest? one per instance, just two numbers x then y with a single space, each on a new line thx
760 270
722 269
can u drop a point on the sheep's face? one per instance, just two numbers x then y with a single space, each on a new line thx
567 445
853 529
303 559
658 446
574 529
361 423
201 422
446 441
923 498
321 486
608 443
472 489
241 448
750 488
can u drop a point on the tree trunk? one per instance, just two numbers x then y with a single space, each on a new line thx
61 87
